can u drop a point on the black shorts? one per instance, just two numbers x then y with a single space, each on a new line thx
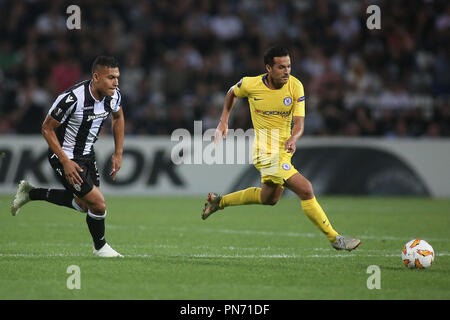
89 175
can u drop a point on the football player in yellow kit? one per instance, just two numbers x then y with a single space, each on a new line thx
276 100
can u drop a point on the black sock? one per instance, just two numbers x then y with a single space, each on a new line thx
97 230
61 197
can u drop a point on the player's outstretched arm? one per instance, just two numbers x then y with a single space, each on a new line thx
297 132
118 126
222 127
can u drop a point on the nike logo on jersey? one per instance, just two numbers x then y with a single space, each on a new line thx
69 99
256 99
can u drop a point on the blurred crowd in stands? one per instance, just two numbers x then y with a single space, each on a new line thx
178 58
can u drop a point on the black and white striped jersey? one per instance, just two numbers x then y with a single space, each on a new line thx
81 117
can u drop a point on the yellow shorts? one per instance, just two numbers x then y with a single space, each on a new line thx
276 172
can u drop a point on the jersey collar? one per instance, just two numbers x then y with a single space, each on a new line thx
89 85
264 80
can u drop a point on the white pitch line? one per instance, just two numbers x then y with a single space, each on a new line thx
220 256
49 255
265 251
200 247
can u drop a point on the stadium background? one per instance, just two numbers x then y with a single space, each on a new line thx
377 123
178 58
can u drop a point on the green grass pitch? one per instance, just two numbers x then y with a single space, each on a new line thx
248 252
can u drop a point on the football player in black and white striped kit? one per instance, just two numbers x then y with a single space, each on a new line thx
71 128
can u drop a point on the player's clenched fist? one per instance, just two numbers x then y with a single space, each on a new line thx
290 145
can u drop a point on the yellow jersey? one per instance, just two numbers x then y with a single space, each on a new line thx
271 112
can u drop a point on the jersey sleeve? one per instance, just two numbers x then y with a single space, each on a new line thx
240 89
62 106
299 100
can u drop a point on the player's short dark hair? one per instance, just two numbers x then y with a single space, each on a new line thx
104 61
276 51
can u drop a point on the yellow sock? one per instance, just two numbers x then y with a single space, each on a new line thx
242 197
314 212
